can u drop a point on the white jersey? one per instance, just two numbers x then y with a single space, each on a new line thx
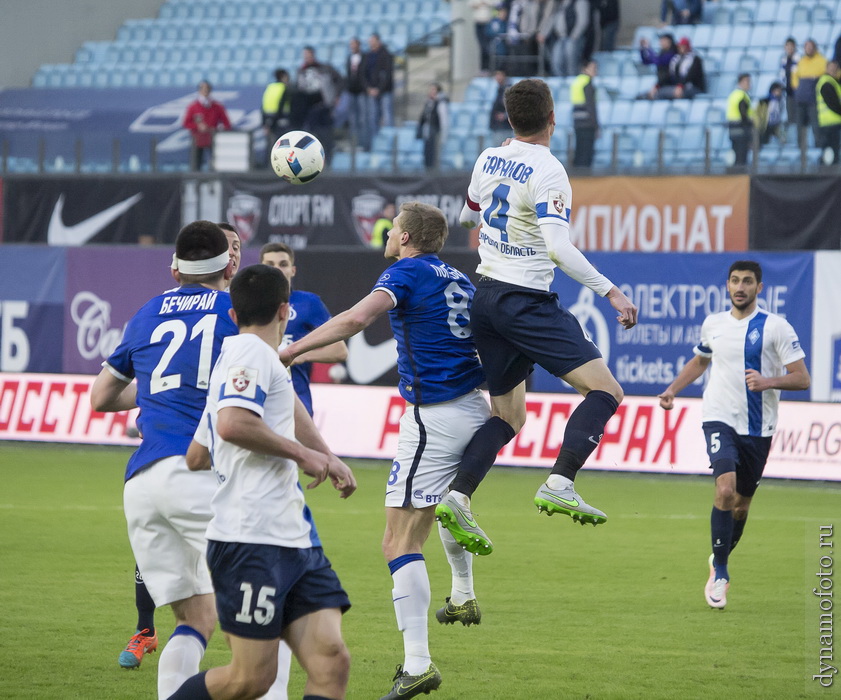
517 188
763 341
258 499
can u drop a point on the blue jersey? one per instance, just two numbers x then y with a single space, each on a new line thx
170 346
436 357
307 312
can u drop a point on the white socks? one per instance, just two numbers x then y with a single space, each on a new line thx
411 597
179 660
461 564
284 661
556 482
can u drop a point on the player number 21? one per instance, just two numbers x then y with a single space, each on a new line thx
178 330
264 608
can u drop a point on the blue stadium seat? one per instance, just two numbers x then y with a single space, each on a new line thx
766 12
657 116
742 14
821 14
784 10
697 112
741 36
800 14
825 37
676 112
720 38
717 14
703 36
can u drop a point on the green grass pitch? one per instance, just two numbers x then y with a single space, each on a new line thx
615 611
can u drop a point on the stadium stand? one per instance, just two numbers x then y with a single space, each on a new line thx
239 42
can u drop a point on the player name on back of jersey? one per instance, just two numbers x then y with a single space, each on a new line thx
188 302
447 272
495 165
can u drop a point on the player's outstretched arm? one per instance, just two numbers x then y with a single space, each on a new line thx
110 394
341 327
690 372
335 352
308 435
247 430
796 379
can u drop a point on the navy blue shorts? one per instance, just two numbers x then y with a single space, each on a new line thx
516 327
262 588
748 453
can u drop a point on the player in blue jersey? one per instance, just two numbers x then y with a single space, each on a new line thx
521 195
306 312
428 303
270 574
169 348
145 639
752 354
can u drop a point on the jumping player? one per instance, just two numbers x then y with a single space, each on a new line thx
521 195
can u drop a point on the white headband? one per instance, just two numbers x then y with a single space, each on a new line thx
201 267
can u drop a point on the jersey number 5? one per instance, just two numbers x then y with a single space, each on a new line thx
499 207
178 329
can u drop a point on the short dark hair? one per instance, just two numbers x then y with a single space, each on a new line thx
205 82
528 104
257 291
200 240
791 40
749 265
741 77
425 224
225 226
278 248
280 74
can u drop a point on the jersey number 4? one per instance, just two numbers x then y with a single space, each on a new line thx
178 330
496 216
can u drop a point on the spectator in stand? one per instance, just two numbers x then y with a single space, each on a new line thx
500 128
378 73
379 233
681 11
686 75
483 12
804 77
585 118
608 23
523 22
357 99
769 115
204 117
317 90
433 124
566 21
661 60
837 55
828 97
788 62
497 30
740 120
275 109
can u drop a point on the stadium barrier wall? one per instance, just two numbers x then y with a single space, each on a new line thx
64 309
641 437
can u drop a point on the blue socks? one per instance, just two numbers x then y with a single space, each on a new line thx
144 603
584 429
721 528
738 529
480 455
193 688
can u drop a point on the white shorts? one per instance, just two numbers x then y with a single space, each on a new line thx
431 442
167 510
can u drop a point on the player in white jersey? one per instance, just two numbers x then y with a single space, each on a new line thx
269 572
521 195
752 355
428 303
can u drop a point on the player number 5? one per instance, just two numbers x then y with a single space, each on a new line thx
263 610
715 443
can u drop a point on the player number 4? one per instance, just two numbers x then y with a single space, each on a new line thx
263 610
499 206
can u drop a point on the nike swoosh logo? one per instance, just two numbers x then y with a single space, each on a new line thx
59 233
365 362
593 440
573 503
467 518
404 689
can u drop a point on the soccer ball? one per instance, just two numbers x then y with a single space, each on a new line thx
298 157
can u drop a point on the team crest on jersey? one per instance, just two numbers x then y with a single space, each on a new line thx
242 381
753 336
559 201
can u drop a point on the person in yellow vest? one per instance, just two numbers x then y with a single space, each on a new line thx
828 97
740 119
275 109
804 78
379 234
585 118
